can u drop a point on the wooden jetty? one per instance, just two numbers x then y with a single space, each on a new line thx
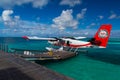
43 56
13 67
54 55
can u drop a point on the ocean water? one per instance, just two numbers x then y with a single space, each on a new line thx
97 64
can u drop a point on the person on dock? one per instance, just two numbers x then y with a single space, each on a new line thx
50 53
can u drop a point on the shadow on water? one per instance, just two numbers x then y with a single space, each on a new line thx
47 62
105 57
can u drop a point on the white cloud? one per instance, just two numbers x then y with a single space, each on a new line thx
8 4
65 20
91 25
17 17
14 26
101 17
81 15
39 3
8 19
71 3
6 15
18 27
15 22
112 16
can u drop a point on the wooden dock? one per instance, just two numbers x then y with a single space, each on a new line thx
13 67
54 55
43 56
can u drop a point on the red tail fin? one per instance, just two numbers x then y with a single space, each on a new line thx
102 35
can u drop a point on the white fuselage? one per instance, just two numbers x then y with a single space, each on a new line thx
71 43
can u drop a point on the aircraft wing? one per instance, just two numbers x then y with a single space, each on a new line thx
79 37
37 38
54 38
74 37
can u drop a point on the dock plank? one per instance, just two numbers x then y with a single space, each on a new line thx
13 67
56 55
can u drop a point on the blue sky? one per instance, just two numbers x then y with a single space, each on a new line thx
58 17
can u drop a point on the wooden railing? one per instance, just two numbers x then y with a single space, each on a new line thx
4 47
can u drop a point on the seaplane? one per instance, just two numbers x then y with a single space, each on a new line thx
99 40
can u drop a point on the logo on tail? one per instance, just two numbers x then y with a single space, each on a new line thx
101 37
103 34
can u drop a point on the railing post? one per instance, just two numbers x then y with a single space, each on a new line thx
6 48
0 46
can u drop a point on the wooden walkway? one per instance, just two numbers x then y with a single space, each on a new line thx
54 55
13 67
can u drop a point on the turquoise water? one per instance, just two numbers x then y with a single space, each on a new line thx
97 64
